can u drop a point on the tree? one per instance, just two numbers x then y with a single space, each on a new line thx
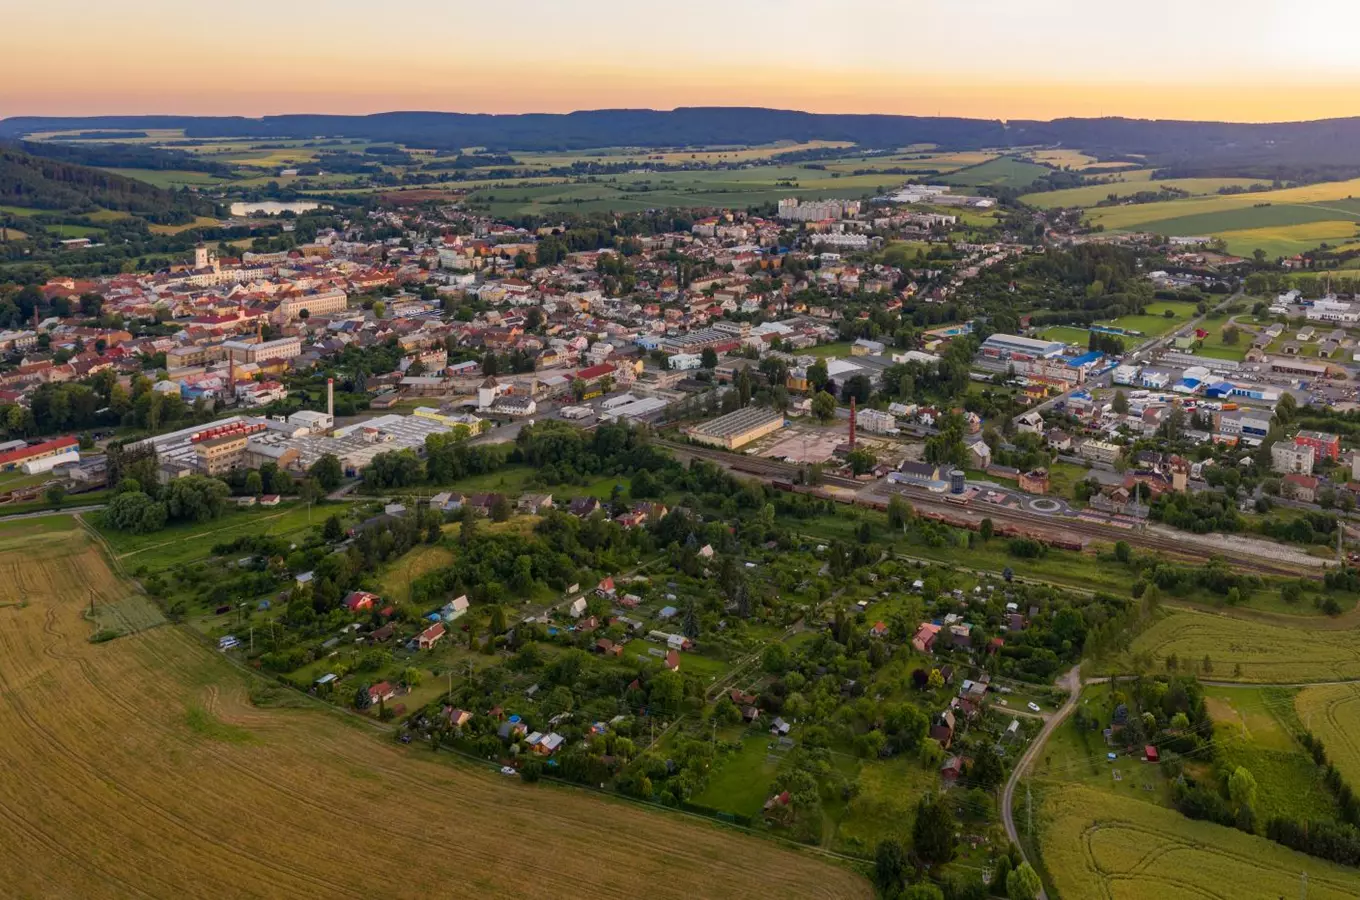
333 530
890 866
899 512
1242 788
689 621
986 528
1023 883
823 406
1285 409
254 483
55 493
817 376
500 509
932 834
922 891
1122 551
861 461
987 771
498 623
1231 334
709 358
327 472
1120 403
362 699
196 498
775 658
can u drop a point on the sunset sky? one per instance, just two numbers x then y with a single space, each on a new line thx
1244 60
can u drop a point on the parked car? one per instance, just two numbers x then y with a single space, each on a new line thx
1034 707
508 770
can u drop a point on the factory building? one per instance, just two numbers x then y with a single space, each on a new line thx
736 429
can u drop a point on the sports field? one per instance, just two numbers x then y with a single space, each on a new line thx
139 767
1096 845
1269 648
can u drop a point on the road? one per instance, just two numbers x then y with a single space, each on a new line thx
43 513
1072 681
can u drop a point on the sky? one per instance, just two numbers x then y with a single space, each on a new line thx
1236 60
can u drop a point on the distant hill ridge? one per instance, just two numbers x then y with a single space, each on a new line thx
1162 142
40 183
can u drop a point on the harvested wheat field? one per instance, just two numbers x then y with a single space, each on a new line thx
1097 845
138 767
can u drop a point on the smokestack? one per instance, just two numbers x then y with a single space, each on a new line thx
852 424
330 399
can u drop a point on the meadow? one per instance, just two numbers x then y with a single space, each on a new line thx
183 543
1097 845
139 767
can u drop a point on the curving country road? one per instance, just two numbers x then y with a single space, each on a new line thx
1071 681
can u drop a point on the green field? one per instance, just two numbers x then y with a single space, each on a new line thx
170 178
1269 648
1332 713
1250 733
723 188
1097 845
178 544
1192 216
1288 240
1005 171
1091 194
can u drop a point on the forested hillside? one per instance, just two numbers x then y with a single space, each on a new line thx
33 181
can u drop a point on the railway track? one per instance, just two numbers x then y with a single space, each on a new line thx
922 498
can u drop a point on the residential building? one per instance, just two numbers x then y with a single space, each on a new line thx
1325 446
1099 451
1292 459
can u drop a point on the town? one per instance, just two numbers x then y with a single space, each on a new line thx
918 536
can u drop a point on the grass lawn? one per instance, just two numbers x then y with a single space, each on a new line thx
12 481
741 782
395 582
1063 477
1075 755
1213 345
885 805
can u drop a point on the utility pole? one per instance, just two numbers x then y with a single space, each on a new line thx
1303 886
1029 811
